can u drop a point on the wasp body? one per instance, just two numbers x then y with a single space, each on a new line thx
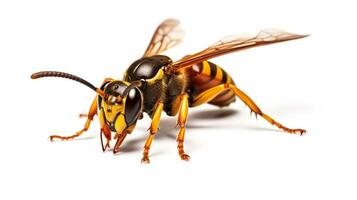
154 84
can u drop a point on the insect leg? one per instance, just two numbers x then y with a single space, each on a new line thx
182 122
153 129
82 115
104 130
92 111
211 93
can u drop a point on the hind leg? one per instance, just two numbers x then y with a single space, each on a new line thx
211 93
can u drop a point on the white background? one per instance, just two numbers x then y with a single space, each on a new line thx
307 83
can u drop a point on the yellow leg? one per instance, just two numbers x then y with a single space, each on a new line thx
182 122
153 130
211 93
91 113
82 115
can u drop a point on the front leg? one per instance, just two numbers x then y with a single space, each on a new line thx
92 111
153 130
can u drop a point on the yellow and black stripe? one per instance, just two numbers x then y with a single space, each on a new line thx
206 75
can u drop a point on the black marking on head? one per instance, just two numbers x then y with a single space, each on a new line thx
115 88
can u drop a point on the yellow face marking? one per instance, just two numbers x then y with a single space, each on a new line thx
120 124
111 111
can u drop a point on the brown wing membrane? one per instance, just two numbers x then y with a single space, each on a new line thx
233 44
167 35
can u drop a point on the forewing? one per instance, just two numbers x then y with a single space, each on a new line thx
232 44
167 35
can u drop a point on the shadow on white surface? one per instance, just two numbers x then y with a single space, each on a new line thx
214 114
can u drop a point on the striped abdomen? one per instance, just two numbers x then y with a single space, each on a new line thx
206 75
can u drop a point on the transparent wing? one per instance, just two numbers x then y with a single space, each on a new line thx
167 35
232 44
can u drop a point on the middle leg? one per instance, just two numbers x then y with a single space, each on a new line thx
182 123
153 130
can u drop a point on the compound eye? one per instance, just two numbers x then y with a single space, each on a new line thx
133 106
